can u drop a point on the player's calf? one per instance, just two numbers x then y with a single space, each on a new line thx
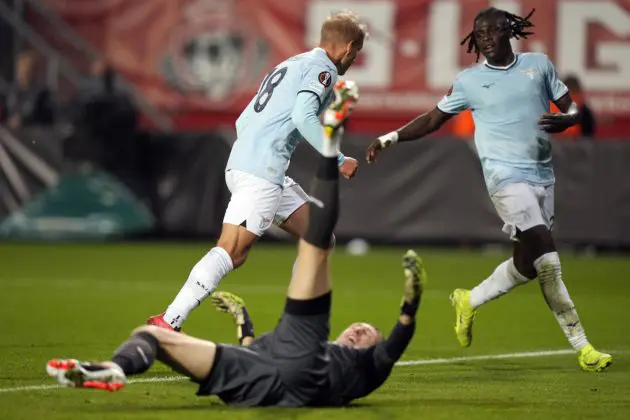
538 245
138 353
324 208
205 277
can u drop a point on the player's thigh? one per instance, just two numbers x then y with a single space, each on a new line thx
242 376
311 277
254 202
188 355
547 205
519 207
293 210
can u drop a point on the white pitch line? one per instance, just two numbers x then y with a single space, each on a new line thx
30 388
131 381
544 353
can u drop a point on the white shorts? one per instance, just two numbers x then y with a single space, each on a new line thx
257 203
522 206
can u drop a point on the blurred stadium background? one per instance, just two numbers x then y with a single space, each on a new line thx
116 123
118 116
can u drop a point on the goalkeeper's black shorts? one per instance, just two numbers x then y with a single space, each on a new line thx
287 367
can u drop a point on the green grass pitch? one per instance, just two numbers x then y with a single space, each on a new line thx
83 300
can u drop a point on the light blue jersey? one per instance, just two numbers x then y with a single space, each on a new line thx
266 132
506 103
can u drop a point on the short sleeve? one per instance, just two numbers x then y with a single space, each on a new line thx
556 89
455 100
318 79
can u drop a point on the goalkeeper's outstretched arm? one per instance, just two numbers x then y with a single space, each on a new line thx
386 353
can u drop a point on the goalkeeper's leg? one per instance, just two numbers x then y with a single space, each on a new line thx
190 356
298 342
310 279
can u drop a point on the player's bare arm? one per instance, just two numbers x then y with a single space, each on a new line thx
421 126
556 122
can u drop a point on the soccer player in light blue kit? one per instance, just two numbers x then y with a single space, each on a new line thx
285 109
509 95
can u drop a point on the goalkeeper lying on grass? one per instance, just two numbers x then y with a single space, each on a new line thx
292 366
271 369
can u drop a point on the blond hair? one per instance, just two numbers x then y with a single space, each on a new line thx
344 26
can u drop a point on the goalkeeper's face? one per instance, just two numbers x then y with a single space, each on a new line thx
352 50
360 335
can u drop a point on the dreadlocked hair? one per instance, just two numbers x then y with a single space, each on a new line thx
516 23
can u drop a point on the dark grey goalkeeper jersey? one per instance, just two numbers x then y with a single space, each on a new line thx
355 373
295 366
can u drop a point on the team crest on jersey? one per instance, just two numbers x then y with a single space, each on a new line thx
529 73
325 78
450 91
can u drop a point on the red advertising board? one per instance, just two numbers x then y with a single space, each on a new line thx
203 59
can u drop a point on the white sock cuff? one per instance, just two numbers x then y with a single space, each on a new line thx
223 255
513 272
552 258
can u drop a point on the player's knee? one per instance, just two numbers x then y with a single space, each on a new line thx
237 254
535 242
525 268
162 336
148 329
237 246
228 241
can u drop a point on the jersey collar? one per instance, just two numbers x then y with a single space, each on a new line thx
509 66
323 53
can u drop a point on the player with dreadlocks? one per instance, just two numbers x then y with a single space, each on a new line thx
516 25
509 95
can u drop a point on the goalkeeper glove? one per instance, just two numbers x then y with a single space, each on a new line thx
235 306
415 279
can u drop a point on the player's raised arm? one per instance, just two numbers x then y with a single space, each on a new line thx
387 352
451 104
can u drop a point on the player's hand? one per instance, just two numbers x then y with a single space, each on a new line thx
373 150
383 142
235 306
554 122
229 303
377 145
346 96
415 278
349 167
